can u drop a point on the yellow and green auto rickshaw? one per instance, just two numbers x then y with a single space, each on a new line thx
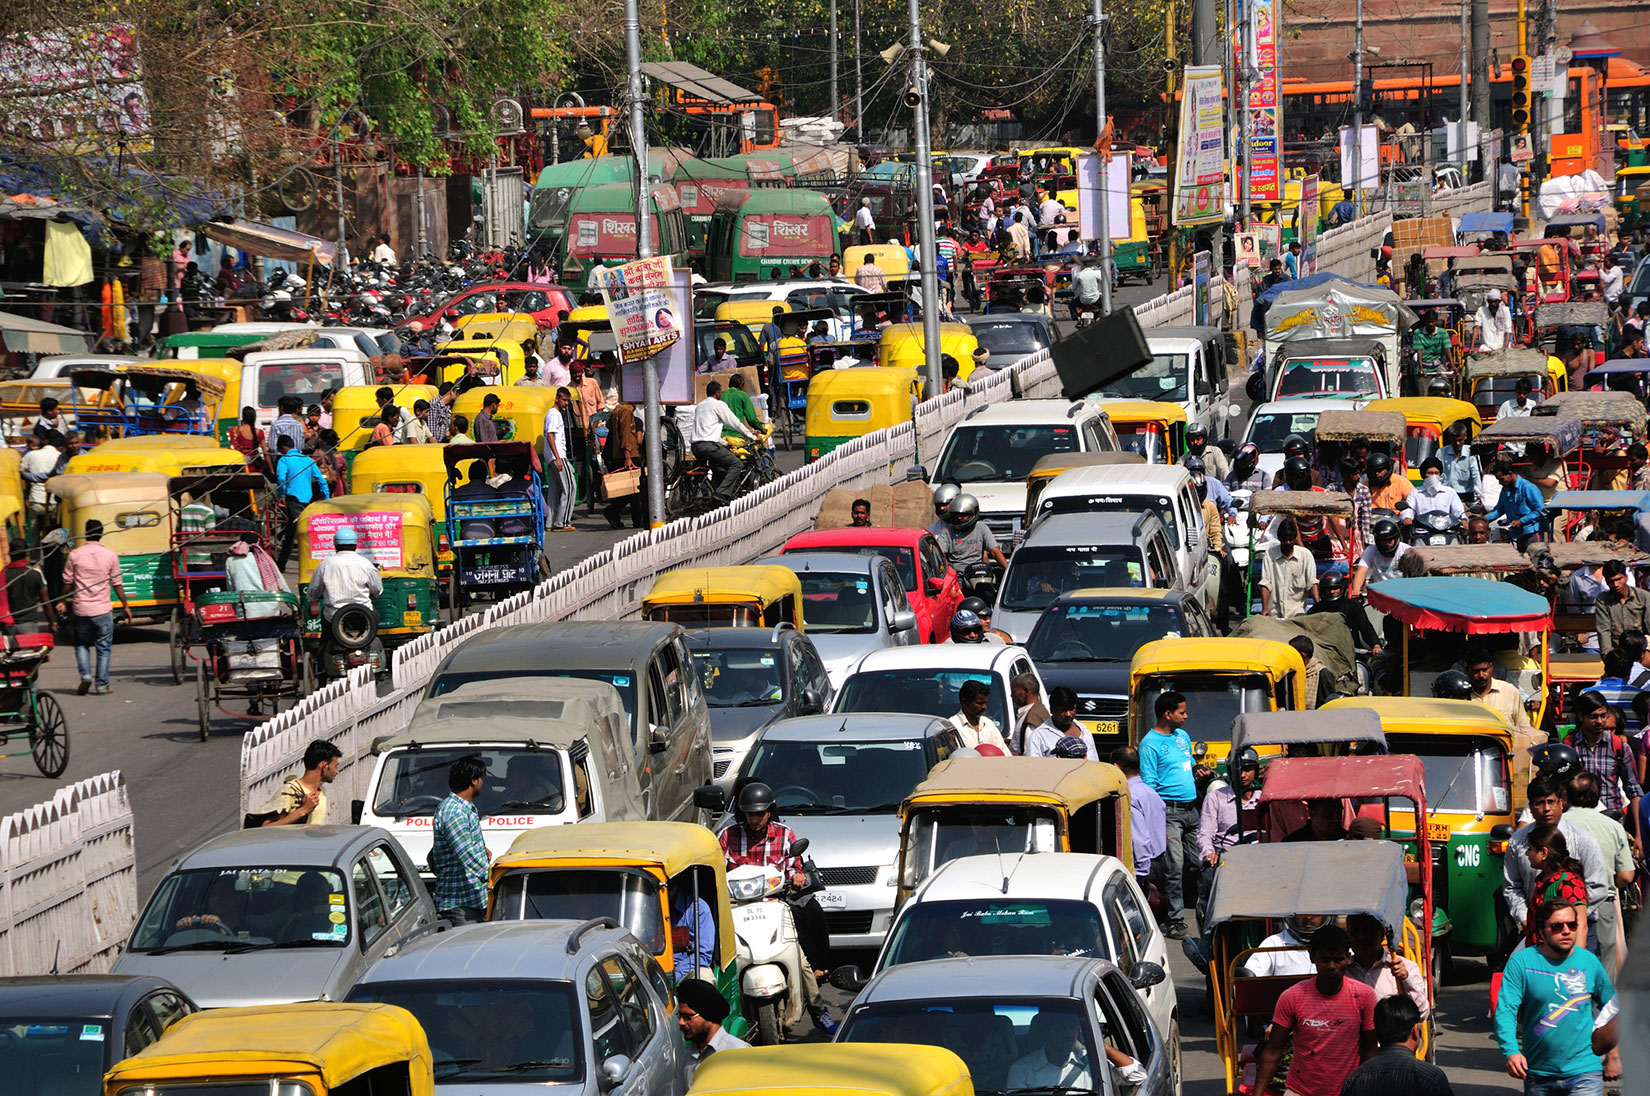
649 872
310 1048
169 456
134 510
355 410
396 531
1029 804
408 470
520 414
747 596
1135 257
1427 422
901 347
844 404
1221 679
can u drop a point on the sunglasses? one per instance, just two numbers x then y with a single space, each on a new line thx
1561 926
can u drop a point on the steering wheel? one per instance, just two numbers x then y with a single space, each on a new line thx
1071 650
418 802
976 470
803 795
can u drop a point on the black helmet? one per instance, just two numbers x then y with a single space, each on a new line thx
755 798
975 605
1295 446
1386 529
1247 455
1379 462
1452 685
1558 760
1194 464
1331 586
1249 758
1297 471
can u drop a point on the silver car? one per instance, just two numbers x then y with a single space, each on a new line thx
513 1004
279 914
853 604
1023 1024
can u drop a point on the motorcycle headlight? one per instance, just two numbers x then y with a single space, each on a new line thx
747 890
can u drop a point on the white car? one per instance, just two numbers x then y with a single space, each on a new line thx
1272 423
1062 903
991 451
58 365
924 679
836 294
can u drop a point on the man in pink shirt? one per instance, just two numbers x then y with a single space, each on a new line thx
1331 1019
90 572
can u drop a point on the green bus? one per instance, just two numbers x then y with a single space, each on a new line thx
601 230
754 233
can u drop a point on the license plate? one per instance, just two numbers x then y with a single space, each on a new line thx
832 900
1437 831
411 618
1104 727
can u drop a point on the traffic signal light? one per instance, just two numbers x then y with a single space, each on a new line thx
1521 93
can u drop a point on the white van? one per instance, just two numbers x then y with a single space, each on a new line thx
1079 551
556 751
1188 368
1164 490
267 375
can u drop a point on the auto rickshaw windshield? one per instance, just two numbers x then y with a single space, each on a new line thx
1465 774
629 896
1212 701
934 835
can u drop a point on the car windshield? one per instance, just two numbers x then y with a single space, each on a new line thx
245 909
1163 379
1002 337
413 783
270 1087
629 896
1113 503
919 690
838 603
623 681
839 777
1641 280
1212 701
305 380
902 556
1006 1042
1464 773
1269 431
745 678
55 1054
1090 632
501 1030
1040 573
1319 378
978 454
996 926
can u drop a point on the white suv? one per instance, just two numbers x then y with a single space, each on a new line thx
990 453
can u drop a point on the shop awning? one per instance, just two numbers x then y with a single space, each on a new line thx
24 335
269 241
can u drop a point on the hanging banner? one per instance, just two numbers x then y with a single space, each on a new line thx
1117 198
638 298
1306 226
1264 116
1200 288
1200 169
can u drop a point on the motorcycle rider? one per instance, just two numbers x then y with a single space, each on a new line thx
1296 448
759 838
944 495
1086 287
1213 457
1246 473
1314 529
1380 560
1452 685
1332 599
1434 496
344 578
966 540
982 609
966 627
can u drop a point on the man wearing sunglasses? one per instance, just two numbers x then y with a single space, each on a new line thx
1544 1017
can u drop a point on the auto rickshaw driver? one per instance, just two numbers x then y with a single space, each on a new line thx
344 578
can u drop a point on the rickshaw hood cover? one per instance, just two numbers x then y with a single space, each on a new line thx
1331 641
1400 776
1327 306
1476 606
1561 432
1324 877
1306 728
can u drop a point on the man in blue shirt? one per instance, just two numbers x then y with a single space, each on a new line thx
1147 830
1544 1015
1462 473
1520 504
692 930
297 478
1167 768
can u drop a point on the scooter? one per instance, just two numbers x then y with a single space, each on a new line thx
771 960
1435 527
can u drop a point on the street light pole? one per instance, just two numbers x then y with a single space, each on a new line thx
1099 19
859 82
1461 127
836 113
1357 113
644 250
917 95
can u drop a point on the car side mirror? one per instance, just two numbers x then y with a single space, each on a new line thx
1503 832
799 846
708 797
1144 975
657 738
936 586
357 807
848 978
811 704
615 1072
903 621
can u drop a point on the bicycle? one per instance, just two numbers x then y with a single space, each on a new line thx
692 492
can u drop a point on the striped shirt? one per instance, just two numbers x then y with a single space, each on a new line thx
458 856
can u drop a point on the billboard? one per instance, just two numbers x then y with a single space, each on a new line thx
1264 117
79 89
1200 166
645 315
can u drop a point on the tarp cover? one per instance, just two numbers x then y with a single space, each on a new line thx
1331 642
26 335
270 242
1336 309
1307 728
1326 877
1486 221
1476 606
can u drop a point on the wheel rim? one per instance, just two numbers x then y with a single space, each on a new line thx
49 736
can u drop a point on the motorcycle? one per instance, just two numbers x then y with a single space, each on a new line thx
1434 527
1086 315
771 960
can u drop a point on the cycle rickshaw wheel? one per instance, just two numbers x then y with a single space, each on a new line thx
202 703
175 640
49 736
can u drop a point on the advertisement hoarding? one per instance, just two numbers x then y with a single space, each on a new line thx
1200 171
1265 107
640 304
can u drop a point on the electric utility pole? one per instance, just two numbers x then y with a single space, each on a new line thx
644 250
1357 113
1461 126
917 96
859 81
836 112
1099 19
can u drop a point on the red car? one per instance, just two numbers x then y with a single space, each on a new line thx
930 582
543 301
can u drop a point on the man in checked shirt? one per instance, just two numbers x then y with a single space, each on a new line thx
759 838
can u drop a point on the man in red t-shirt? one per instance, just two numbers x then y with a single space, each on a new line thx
1331 1019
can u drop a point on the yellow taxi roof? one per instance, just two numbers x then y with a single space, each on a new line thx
225 369
1143 411
896 331
748 312
747 582
1218 654
513 399
405 503
895 1069
844 383
1052 465
173 461
338 1042
1436 409
673 846
1423 713
891 259
482 318
1042 779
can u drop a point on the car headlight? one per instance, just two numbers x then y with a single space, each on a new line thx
747 890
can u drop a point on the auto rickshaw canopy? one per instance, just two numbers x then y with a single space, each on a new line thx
161 458
1306 729
1470 559
335 1042
1617 367
1369 424
1572 314
1486 221
860 1069
401 469
1400 776
131 505
1560 433
1440 411
522 406
1329 878
1218 655
1427 714
1064 782
1637 501
1338 503
11 483
756 585
1164 414
1474 606
410 514
851 402
902 346
1616 409
1514 361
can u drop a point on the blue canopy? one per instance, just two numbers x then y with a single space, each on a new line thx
1471 605
1620 365
1484 221
1600 500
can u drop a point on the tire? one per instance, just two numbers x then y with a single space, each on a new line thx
353 628
203 706
670 444
174 640
49 736
1443 962
542 562
768 1033
306 675
1174 1057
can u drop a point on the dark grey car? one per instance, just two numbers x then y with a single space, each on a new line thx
60 1035
1007 337
752 678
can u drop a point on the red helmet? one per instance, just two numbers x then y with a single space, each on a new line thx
450 314
986 749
